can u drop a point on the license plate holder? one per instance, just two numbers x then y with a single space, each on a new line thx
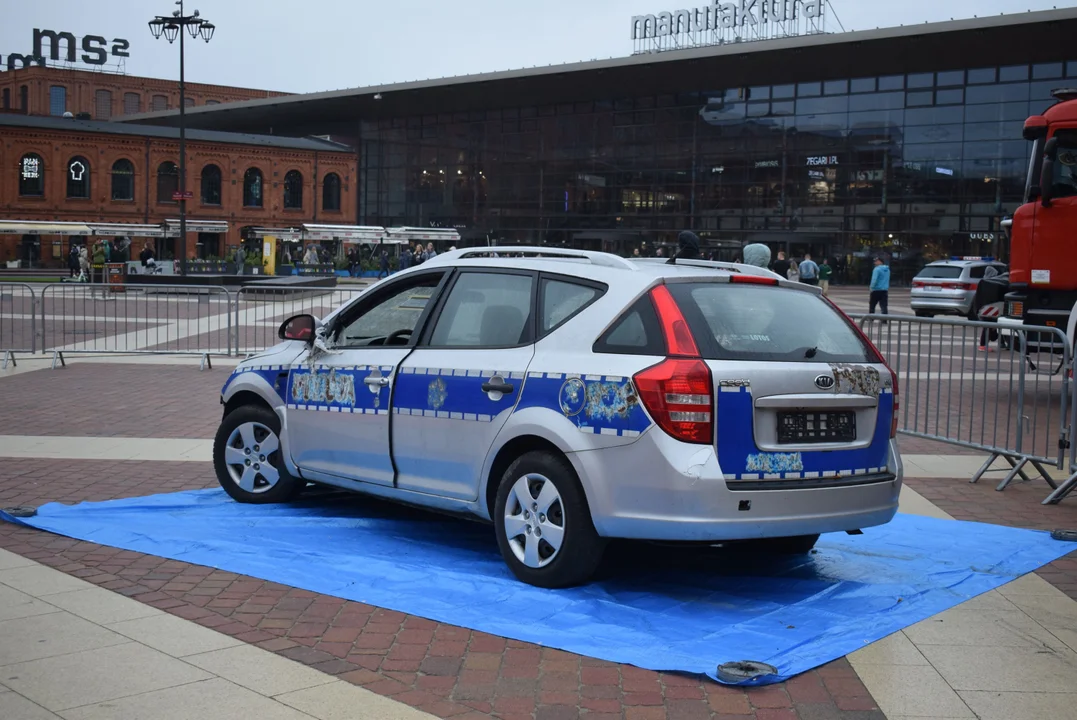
816 427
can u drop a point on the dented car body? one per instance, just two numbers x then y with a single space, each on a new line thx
695 402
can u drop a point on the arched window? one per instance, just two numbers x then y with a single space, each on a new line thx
167 181
213 102
159 103
123 180
31 175
331 192
252 188
211 185
78 178
103 104
293 190
57 100
132 103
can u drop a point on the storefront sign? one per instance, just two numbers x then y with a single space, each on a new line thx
823 160
63 47
31 168
767 164
765 18
77 170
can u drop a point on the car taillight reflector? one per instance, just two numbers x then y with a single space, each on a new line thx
1017 309
679 340
753 280
918 284
678 394
956 286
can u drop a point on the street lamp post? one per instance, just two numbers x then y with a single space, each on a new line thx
172 27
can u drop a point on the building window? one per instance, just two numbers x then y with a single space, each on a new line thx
293 190
57 100
103 104
78 178
132 103
123 180
331 192
252 188
7 98
213 102
211 185
188 102
167 181
159 103
24 98
31 176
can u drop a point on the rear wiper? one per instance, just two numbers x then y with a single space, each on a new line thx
811 352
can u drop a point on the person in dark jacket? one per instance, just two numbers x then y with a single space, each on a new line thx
687 247
73 260
384 269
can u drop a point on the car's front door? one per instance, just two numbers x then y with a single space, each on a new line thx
456 390
338 401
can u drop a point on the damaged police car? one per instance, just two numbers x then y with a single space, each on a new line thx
572 397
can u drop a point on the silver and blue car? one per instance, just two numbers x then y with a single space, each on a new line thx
573 397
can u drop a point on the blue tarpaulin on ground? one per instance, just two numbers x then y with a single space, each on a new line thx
658 608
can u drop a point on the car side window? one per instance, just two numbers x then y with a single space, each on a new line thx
561 300
976 273
637 332
486 310
392 318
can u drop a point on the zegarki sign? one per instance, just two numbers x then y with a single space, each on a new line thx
62 47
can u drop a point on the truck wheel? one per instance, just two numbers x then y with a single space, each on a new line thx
247 457
543 525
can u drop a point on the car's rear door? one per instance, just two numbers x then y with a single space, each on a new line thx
802 399
454 393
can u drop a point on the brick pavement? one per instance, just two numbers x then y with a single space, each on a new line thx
445 670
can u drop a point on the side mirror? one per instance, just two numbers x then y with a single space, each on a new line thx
300 327
1047 174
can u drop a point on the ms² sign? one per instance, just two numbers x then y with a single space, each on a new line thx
62 46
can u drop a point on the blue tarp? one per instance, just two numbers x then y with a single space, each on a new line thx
656 608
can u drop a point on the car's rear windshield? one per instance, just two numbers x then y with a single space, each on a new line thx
750 322
947 272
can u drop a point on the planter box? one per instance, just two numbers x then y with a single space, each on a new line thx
14 264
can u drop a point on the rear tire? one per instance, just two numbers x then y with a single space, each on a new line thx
797 545
247 457
543 524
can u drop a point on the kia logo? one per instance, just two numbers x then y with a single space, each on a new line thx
824 382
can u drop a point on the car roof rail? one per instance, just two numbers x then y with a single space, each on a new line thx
715 265
595 258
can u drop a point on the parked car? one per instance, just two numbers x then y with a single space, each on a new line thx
949 286
572 397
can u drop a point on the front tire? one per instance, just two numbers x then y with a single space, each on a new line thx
247 457
543 524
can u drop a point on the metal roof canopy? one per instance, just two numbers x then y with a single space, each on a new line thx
34 227
347 233
286 234
172 227
981 42
127 230
409 234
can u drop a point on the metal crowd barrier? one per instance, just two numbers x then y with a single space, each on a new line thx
18 321
1070 485
1009 400
260 310
136 319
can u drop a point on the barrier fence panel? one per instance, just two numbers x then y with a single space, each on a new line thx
1070 485
135 319
18 321
259 311
1009 399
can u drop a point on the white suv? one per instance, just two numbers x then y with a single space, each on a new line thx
572 397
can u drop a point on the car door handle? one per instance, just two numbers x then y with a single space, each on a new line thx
379 381
501 387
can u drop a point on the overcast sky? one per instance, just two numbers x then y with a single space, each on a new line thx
313 45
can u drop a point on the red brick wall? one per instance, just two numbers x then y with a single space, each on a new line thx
57 148
82 87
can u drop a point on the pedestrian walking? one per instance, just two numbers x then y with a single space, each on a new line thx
987 293
431 253
781 265
880 287
793 273
241 259
146 255
73 260
809 271
825 271
383 270
405 258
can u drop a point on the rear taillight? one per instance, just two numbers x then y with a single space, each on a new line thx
918 284
753 280
678 394
957 286
897 403
1017 310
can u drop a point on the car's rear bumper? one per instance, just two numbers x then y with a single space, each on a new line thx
655 490
940 303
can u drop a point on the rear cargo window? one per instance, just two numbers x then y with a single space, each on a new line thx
743 322
946 272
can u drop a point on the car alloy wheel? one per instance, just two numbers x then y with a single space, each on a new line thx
534 520
249 456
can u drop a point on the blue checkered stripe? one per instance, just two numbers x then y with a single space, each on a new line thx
269 373
737 448
451 393
364 399
598 415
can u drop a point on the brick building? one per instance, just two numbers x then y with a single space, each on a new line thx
69 170
39 90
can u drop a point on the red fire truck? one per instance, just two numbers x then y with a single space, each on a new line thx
1043 231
